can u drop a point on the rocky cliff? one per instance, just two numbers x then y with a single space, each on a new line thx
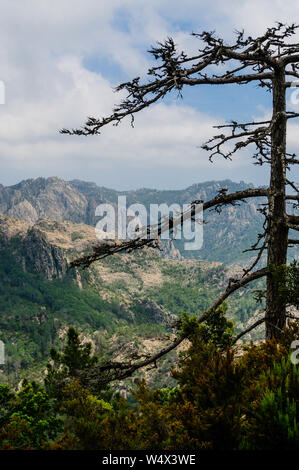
32 248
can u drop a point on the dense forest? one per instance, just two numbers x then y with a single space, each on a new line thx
225 398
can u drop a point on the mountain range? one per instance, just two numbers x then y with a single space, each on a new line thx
225 235
126 304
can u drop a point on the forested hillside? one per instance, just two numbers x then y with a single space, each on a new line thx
127 304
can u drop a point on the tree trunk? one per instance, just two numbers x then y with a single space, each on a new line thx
277 222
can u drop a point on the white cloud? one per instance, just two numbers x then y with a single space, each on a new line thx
43 49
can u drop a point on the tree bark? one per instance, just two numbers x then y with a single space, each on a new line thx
277 222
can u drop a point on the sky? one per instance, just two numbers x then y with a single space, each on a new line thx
61 59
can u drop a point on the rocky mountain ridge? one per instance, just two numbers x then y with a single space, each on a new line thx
225 235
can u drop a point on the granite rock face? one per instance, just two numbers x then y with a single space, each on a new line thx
50 198
169 250
47 259
31 247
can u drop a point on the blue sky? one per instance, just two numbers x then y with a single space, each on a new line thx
60 61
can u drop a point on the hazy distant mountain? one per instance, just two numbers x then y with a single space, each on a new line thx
225 235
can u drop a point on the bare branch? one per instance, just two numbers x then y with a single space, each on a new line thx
293 219
238 79
293 227
250 328
290 59
257 259
237 285
293 185
176 70
123 370
224 199
110 248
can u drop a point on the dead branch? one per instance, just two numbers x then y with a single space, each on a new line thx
107 249
237 285
250 328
